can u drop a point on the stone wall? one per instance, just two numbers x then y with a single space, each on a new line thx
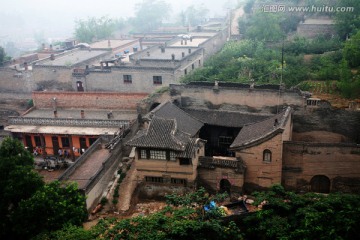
12 80
234 98
88 100
340 162
346 123
314 30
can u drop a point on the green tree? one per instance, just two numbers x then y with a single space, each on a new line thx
195 15
265 27
149 15
287 215
17 180
348 23
94 28
352 50
3 56
49 209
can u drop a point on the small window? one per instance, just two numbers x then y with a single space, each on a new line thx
157 80
185 71
192 66
143 154
179 181
199 63
157 154
37 141
154 179
184 161
65 142
127 78
267 155
172 156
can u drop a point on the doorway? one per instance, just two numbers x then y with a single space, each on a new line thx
225 186
28 142
320 184
79 86
82 144
55 143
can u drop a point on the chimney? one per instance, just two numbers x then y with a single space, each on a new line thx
185 42
189 50
162 49
110 115
148 53
82 113
43 46
135 49
182 42
51 47
25 66
52 57
55 114
276 122
183 54
191 39
173 57
109 43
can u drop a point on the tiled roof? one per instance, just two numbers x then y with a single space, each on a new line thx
258 132
225 118
185 122
161 134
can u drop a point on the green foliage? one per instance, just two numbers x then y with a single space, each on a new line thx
68 232
348 23
94 28
2 56
149 15
352 50
287 215
264 27
49 209
321 44
194 15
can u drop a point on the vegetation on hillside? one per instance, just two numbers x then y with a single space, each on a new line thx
258 57
29 206
284 215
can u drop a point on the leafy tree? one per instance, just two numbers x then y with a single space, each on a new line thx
348 23
2 55
265 27
94 29
49 209
287 215
194 15
149 15
352 50
17 180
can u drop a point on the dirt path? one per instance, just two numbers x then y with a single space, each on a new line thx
234 21
127 188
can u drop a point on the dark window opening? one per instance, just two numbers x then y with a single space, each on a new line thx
37 141
267 155
178 181
184 161
127 78
157 80
92 140
65 142
154 179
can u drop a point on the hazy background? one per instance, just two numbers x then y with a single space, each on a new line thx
21 20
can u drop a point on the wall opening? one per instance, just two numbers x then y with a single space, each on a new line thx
79 86
320 184
225 186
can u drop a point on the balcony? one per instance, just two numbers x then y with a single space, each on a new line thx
222 162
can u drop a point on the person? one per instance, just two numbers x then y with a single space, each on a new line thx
66 154
60 153
35 151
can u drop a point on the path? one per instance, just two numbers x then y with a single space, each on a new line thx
127 188
237 13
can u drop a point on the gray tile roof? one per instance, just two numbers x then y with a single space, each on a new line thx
225 118
256 133
162 134
185 122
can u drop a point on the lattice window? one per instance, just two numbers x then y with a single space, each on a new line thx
143 154
157 80
172 156
157 154
154 179
127 78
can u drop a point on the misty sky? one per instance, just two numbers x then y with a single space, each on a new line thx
55 18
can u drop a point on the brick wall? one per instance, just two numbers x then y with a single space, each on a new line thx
12 80
90 100
303 161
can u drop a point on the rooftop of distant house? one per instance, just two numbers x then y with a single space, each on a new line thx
72 58
156 53
319 21
112 43
193 42
88 114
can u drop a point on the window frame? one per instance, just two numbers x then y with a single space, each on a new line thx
267 156
157 80
65 142
127 78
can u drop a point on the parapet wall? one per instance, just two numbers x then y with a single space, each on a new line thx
88 100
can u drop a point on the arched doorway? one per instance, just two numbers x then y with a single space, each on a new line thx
320 184
225 186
